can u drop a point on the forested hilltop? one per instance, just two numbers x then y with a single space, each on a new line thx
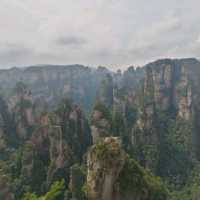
76 133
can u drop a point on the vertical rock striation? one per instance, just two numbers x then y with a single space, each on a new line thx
112 175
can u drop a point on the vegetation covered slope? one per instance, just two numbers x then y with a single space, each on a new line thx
113 175
154 111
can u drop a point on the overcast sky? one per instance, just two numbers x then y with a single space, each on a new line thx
114 33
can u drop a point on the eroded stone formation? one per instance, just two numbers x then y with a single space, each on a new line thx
112 175
153 114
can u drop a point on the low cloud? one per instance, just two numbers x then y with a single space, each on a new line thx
71 41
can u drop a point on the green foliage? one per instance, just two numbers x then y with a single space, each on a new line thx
72 127
135 181
149 90
7 126
25 103
188 193
150 152
131 114
20 88
182 91
191 190
175 163
104 150
30 196
172 148
105 93
64 108
118 125
77 182
27 157
56 192
121 93
103 109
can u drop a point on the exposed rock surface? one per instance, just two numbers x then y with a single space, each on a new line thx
100 121
60 140
113 176
105 92
53 82
105 162
170 92
64 136
174 84
157 119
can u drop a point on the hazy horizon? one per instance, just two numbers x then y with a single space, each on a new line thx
114 68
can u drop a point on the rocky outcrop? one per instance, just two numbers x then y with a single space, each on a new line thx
157 120
170 91
51 83
174 85
7 129
113 176
101 122
61 155
21 106
145 136
60 141
105 162
105 92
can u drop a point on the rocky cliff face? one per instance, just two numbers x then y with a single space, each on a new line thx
62 140
5 125
115 110
105 162
113 176
59 140
100 122
174 84
168 99
21 106
155 111
51 83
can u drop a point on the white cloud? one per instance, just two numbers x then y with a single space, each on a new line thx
93 32
198 39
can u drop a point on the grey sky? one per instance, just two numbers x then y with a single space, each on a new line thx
114 33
